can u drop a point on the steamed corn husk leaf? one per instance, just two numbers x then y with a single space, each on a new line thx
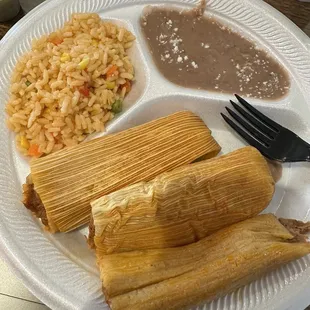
183 205
66 181
176 278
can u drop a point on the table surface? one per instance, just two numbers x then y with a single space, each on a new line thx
298 12
13 295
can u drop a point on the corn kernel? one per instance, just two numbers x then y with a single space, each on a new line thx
65 57
24 142
83 64
110 85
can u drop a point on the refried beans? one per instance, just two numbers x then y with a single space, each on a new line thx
199 52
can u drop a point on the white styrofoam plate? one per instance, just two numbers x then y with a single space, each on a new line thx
60 269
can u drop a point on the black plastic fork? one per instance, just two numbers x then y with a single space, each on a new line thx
271 139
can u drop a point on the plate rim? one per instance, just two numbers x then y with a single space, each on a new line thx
34 284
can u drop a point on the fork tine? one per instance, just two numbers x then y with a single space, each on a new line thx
273 125
244 135
255 133
255 122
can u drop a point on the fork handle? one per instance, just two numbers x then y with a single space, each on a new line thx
299 152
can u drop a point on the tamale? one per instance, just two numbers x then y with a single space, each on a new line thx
64 183
183 205
176 278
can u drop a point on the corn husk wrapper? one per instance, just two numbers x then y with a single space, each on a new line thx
68 180
184 205
176 278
